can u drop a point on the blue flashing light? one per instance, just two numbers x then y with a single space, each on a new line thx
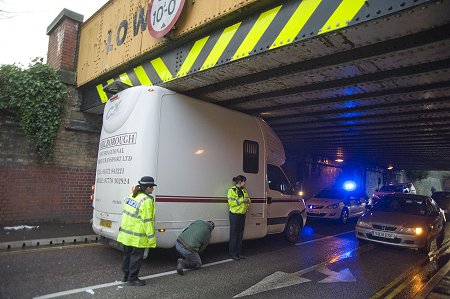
350 90
307 231
350 114
349 185
350 104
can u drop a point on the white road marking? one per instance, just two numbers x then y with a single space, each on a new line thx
341 276
276 280
324 238
280 279
118 283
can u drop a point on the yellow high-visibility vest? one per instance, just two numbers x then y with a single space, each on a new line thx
236 203
138 222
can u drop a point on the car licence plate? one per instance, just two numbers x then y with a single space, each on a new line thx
105 223
383 234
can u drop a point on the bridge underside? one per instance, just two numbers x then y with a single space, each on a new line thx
375 93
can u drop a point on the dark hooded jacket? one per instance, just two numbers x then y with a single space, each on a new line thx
196 236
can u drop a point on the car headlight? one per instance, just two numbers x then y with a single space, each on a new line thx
333 206
411 231
363 224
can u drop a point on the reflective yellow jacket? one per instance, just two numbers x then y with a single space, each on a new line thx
138 222
236 203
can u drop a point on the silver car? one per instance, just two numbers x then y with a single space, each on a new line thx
405 220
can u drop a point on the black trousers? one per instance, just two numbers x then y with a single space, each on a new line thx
131 263
237 223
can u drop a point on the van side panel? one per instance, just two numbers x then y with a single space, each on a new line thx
200 151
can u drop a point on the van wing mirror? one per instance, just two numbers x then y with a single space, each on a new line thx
269 199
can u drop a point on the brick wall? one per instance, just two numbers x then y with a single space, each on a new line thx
53 192
42 194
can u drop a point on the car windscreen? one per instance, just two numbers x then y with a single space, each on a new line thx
331 194
392 189
401 205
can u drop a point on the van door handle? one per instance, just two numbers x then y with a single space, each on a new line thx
269 199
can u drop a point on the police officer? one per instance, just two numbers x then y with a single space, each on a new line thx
192 241
137 230
238 201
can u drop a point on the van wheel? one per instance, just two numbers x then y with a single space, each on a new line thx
344 216
292 230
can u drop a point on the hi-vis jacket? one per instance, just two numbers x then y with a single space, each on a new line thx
236 202
138 222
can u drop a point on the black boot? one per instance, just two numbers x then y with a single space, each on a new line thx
136 282
180 266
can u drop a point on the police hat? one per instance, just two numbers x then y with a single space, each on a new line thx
147 181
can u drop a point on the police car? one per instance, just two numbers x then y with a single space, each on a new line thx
338 203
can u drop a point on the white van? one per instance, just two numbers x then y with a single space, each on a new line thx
193 149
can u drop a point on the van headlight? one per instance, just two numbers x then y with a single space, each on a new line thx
333 206
362 224
411 231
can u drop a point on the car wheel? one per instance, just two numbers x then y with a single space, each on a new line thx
344 216
292 230
426 249
440 238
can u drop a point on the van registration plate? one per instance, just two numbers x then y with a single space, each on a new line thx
383 234
105 223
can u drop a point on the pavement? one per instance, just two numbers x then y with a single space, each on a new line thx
46 234
438 286
49 234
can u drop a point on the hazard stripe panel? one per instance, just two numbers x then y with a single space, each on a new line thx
192 56
142 76
240 39
102 95
255 33
220 46
125 79
301 15
161 69
342 15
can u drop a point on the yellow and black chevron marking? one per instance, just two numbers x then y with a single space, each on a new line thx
280 26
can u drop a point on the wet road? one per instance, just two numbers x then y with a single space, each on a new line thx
327 262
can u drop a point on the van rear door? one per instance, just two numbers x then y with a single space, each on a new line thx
127 152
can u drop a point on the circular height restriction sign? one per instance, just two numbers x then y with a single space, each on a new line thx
162 16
